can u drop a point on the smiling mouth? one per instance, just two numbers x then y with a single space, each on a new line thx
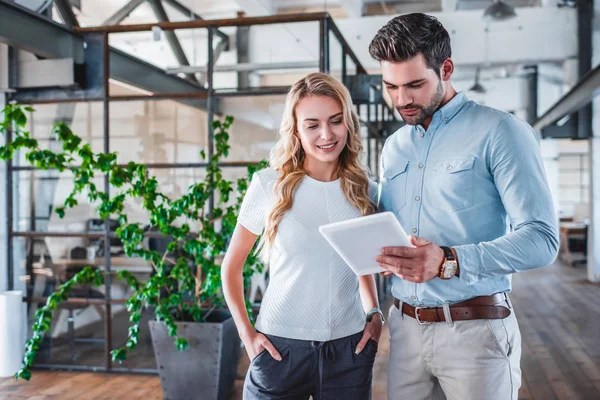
327 147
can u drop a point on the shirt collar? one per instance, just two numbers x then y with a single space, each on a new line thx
450 109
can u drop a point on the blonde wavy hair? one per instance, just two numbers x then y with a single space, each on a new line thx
287 157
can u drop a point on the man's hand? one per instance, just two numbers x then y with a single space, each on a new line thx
419 264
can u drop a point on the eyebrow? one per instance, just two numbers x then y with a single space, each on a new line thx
316 119
406 84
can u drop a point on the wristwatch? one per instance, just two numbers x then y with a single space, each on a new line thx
372 312
449 265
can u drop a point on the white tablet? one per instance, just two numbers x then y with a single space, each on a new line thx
358 241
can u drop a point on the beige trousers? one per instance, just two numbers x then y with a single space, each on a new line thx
466 360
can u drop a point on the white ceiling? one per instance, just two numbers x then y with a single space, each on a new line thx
95 12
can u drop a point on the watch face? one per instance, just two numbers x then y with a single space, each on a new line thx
449 269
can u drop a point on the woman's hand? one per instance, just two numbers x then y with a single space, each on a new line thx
372 331
255 343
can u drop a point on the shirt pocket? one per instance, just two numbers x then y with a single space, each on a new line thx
393 186
453 184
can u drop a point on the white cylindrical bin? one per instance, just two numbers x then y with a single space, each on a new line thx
11 332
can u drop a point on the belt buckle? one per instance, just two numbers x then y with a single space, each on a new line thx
418 317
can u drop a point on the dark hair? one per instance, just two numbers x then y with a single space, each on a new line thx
405 36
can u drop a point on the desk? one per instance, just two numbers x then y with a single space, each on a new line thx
572 230
117 263
119 289
136 265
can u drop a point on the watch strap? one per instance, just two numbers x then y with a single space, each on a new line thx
374 311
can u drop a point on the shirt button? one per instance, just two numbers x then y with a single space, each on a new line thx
414 230
421 134
413 297
417 198
450 168
446 119
421 165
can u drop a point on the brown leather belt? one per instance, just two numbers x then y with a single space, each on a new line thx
483 307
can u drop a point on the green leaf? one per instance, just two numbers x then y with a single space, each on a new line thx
24 373
119 355
181 344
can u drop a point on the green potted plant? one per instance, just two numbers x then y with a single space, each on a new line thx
184 292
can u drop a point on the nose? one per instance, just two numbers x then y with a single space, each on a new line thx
403 99
327 133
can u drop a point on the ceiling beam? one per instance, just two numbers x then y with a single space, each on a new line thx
581 94
123 12
171 36
66 12
49 39
42 37
192 15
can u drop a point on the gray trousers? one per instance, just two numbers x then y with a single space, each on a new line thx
325 370
466 360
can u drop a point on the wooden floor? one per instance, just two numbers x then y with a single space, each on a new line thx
557 309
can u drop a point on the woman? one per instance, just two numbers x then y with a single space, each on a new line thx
314 335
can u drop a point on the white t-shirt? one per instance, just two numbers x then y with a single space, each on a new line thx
312 293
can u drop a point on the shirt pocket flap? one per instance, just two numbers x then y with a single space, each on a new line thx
457 164
395 170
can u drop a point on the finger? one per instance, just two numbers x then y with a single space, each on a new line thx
386 273
363 342
413 278
400 251
418 241
396 264
272 350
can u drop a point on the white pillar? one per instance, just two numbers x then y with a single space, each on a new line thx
593 264
3 216
12 333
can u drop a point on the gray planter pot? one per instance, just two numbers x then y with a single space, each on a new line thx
207 368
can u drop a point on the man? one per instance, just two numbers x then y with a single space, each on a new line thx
459 175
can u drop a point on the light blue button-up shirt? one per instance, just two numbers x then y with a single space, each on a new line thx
474 180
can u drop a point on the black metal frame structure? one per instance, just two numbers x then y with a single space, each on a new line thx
577 102
97 40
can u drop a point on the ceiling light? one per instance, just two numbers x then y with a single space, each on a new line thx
477 87
499 11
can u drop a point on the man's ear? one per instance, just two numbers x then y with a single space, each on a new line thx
447 69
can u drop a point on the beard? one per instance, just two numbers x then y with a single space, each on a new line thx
424 112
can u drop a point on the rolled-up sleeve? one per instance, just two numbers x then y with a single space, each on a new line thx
515 163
